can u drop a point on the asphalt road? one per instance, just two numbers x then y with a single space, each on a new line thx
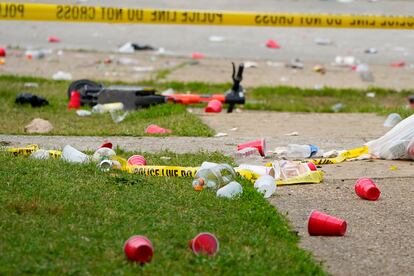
240 42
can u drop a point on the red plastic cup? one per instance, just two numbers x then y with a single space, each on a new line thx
74 101
365 188
272 44
137 160
139 249
53 39
154 129
2 52
214 106
106 145
312 166
204 243
197 55
260 145
320 224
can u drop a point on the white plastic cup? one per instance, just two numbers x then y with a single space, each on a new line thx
231 190
265 185
392 120
72 155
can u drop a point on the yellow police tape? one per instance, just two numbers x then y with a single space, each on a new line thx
27 151
80 13
353 153
312 177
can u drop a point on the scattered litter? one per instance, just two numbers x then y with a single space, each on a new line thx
139 249
103 153
53 39
250 64
275 64
2 61
221 134
215 38
294 133
318 87
284 79
398 64
31 85
60 75
270 43
320 224
214 106
295 64
132 47
371 51
197 55
40 154
143 69
337 107
154 129
137 160
204 243
260 145
365 188
104 108
393 168
37 54
392 120
165 158
331 154
371 94
167 92
231 190
38 126
266 185
301 151
118 116
233 129
2 52
212 175
364 72
323 41
345 61
75 100
83 113
33 100
127 61
72 155
319 69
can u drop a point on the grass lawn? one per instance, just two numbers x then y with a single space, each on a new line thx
59 218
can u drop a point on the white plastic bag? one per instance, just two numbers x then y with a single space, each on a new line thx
398 143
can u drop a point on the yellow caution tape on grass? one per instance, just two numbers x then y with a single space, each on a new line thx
25 151
173 171
93 14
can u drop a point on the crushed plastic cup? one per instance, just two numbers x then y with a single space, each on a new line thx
103 153
60 75
137 160
74 101
204 243
265 185
154 129
260 145
2 52
53 39
214 106
246 152
73 155
270 43
197 55
118 115
321 224
106 145
40 154
392 120
83 113
365 188
231 190
139 249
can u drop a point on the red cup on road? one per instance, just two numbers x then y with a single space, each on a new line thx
2 52
312 166
365 188
74 101
53 39
270 43
204 243
154 129
214 106
197 55
320 224
139 249
260 145
137 160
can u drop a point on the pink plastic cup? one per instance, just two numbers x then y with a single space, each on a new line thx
365 188
204 243
272 44
139 249
214 106
154 129
137 160
260 145
320 224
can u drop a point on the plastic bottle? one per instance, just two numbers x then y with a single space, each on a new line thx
214 177
102 108
266 185
301 151
231 190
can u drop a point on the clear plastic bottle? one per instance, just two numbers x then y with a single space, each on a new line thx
214 177
102 108
301 151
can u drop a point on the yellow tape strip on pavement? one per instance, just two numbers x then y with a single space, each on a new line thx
353 153
80 13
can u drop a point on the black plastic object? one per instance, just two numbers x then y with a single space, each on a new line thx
83 84
236 94
33 100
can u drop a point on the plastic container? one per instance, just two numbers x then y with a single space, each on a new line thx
266 185
215 176
392 120
102 108
75 101
320 224
231 190
72 155
301 151
139 249
285 169
365 188
204 243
